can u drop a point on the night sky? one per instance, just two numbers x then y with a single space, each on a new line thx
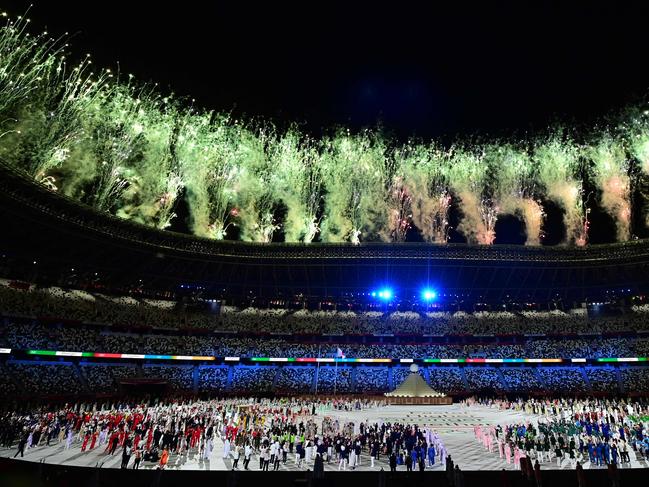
430 73
424 72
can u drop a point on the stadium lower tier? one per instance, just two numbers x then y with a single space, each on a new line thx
34 334
29 378
82 306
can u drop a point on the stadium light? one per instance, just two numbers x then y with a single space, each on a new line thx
385 294
429 294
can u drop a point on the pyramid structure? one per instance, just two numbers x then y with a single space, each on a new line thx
414 386
415 390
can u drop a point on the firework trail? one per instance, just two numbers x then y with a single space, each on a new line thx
640 149
426 171
43 101
515 188
635 128
354 169
610 170
399 204
560 172
298 184
123 148
156 180
255 197
469 178
205 151
26 64
637 139
397 219
116 143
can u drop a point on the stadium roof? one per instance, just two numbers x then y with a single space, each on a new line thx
61 234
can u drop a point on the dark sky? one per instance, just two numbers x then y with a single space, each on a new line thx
426 72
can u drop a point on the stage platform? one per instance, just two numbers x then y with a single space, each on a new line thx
420 401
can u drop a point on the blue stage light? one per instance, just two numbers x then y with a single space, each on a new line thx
385 294
429 294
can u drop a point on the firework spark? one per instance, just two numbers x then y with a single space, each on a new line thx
560 173
426 172
611 171
122 147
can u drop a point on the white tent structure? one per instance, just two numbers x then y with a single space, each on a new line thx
415 390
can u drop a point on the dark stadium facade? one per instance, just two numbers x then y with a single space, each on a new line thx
50 235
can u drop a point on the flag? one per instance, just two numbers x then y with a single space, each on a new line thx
339 353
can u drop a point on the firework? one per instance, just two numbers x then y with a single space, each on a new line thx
255 197
610 168
116 142
44 101
635 130
206 154
26 65
354 169
124 148
426 170
298 184
156 180
640 149
399 207
560 172
637 140
514 188
469 179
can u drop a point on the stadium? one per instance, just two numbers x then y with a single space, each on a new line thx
187 297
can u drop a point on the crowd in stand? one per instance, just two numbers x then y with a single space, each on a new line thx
106 377
127 311
435 323
40 319
598 432
635 379
374 379
522 379
27 378
83 306
22 334
179 377
46 379
484 378
295 380
304 432
212 379
602 379
254 378
335 379
447 379
563 379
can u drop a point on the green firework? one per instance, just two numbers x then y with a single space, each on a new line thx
426 173
128 150
610 170
560 173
